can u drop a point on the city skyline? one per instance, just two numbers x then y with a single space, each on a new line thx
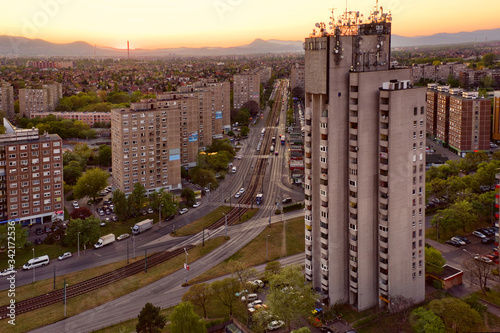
220 23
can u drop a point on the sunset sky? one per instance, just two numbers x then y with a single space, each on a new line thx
195 23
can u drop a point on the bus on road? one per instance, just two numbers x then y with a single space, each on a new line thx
259 198
263 131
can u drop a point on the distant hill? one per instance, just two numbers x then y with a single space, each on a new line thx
24 47
446 38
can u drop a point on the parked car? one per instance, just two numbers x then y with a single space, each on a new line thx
257 283
65 255
39 231
150 211
114 218
287 200
478 234
206 189
254 303
37 241
483 259
485 232
171 217
102 224
464 239
101 212
488 240
453 243
7 272
122 236
183 211
48 230
107 220
197 204
458 240
75 204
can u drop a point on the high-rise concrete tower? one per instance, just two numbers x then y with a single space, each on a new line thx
364 165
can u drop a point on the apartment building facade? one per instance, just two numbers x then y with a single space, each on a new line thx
364 167
496 116
7 100
470 123
39 98
246 87
297 76
146 145
31 178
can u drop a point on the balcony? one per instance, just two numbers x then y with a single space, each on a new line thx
353 119
384 143
383 178
353 154
383 265
383 285
384 131
353 210
353 131
353 284
308 271
384 107
383 200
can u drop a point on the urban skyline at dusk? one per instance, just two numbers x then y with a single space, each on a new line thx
221 23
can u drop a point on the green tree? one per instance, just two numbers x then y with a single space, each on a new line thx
241 271
184 320
104 155
434 260
72 172
302 330
289 297
199 295
168 204
244 131
89 231
137 198
272 268
20 234
80 213
150 320
68 157
224 290
122 208
83 150
202 177
486 172
189 196
426 321
489 58
457 315
91 183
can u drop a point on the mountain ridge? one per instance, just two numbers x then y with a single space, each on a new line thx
25 47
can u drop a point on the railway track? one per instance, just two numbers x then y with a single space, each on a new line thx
258 172
97 282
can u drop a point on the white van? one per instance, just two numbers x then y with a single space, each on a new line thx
249 298
37 262
233 170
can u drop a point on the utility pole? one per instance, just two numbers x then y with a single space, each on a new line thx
78 244
187 267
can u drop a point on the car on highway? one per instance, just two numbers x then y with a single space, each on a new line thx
239 157
237 195
7 272
478 234
453 243
65 255
183 211
275 324
458 240
75 204
463 239
122 237
197 204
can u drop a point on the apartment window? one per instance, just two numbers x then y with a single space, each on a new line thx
415 111
352 182
322 159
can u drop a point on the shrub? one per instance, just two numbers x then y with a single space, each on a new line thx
292 207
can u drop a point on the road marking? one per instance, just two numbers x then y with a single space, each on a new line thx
97 254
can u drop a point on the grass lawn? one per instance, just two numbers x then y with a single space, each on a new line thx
248 215
204 222
254 253
53 313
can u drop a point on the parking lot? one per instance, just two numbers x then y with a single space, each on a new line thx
455 256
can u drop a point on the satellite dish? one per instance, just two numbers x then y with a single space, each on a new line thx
317 25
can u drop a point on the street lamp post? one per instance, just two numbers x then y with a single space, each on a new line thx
225 224
186 265
64 301
267 237
78 244
33 265
159 213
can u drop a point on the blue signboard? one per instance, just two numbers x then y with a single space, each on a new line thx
218 114
174 157
193 137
